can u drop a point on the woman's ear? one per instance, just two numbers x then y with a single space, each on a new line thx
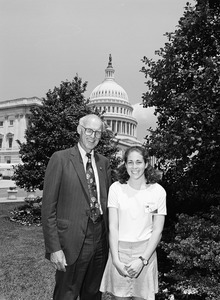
146 165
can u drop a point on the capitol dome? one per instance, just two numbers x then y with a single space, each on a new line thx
109 89
111 98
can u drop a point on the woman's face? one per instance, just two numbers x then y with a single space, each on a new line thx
135 165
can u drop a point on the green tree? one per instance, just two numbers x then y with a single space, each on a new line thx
53 127
184 87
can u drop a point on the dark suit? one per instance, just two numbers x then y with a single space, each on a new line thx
65 206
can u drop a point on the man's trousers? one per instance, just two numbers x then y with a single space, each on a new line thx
83 278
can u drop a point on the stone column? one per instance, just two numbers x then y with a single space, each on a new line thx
16 131
22 127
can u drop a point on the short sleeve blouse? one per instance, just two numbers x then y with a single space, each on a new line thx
136 209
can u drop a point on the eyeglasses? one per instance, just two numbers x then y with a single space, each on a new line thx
89 131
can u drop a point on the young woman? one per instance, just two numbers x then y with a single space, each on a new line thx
137 209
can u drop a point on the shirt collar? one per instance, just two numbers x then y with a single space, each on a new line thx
83 152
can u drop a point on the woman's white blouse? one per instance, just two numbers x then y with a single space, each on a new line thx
136 209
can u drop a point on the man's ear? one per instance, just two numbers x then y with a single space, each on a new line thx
78 129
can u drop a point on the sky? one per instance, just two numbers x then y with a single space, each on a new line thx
45 42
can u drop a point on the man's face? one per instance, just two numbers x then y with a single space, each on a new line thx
87 140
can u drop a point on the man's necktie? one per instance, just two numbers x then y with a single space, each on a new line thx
94 205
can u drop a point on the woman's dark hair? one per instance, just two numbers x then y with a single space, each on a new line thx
151 175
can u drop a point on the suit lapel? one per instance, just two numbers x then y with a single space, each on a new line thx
102 183
77 162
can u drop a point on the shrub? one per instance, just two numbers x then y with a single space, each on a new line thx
29 213
195 254
6 177
12 188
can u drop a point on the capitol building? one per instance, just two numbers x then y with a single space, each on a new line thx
111 98
108 96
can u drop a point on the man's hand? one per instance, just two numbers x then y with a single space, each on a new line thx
58 260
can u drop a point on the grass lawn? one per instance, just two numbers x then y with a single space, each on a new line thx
24 272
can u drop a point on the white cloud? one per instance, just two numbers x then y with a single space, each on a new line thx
145 118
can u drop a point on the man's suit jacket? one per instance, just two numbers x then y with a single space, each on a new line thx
65 205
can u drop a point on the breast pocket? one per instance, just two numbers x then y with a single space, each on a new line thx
150 208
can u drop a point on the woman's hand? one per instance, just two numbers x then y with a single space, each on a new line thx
134 268
122 269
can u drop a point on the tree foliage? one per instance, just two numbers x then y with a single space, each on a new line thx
195 253
52 127
184 87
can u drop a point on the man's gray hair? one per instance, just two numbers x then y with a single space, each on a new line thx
85 118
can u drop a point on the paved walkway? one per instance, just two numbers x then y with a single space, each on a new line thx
4 185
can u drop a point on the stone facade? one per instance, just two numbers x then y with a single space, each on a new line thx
14 116
108 96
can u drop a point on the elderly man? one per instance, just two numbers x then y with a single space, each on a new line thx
74 214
